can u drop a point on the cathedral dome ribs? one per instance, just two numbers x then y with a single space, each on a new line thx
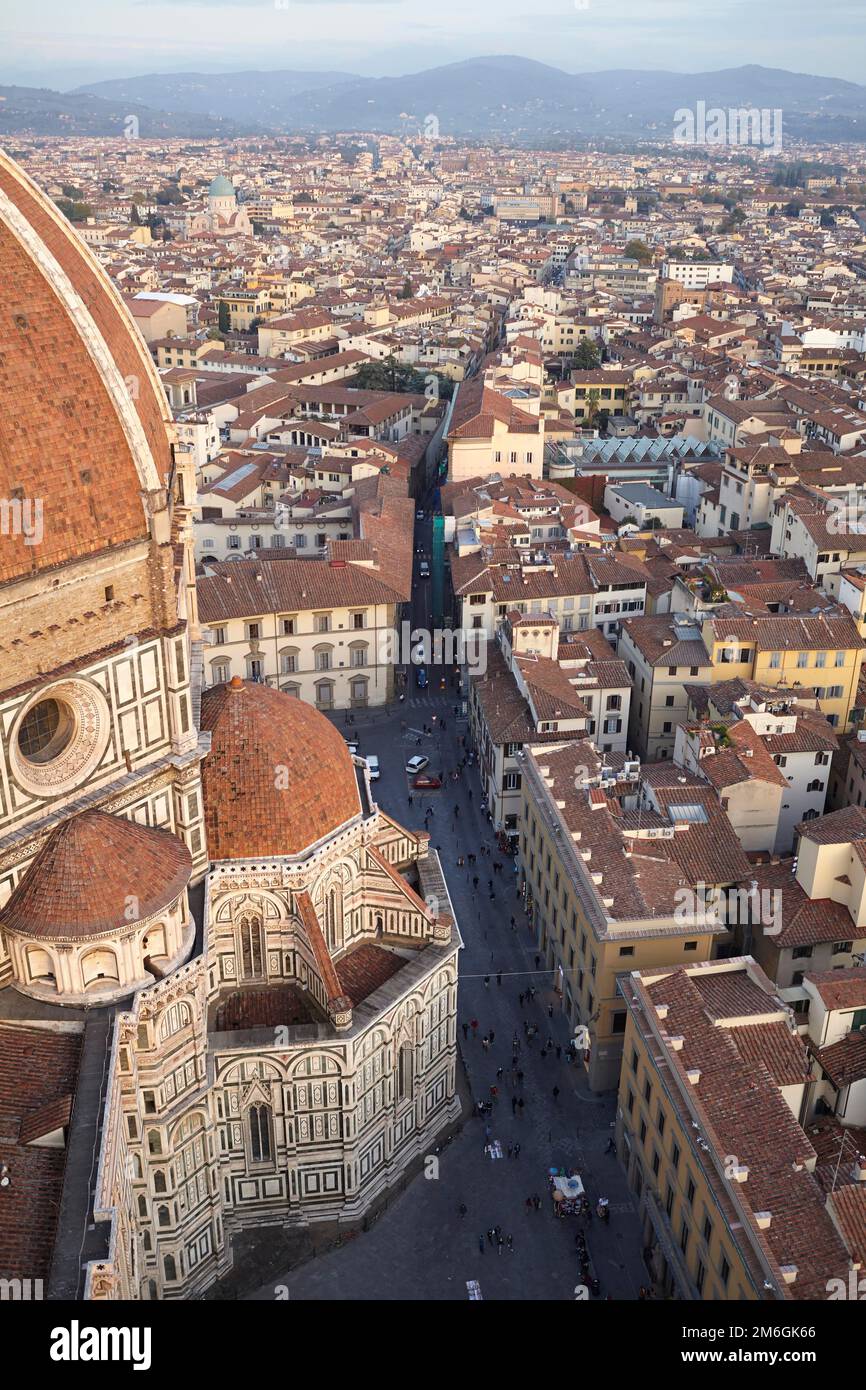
278 777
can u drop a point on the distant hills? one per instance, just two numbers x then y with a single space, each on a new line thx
40 111
263 99
507 98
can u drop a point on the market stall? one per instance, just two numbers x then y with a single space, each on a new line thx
567 1192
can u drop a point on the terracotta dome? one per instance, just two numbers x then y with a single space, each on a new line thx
278 777
90 874
89 423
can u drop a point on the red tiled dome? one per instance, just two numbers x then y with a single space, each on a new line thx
88 424
97 873
278 777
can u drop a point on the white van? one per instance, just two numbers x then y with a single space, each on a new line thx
373 766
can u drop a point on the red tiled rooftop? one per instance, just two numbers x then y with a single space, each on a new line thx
366 968
271 1007
38 1074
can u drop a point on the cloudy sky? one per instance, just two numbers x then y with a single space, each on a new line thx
58 43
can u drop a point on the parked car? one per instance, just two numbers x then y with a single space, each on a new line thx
419 515
416 764
424 570
426 783
352 743
373 766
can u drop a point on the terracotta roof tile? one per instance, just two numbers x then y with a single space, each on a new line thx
279 776
91 870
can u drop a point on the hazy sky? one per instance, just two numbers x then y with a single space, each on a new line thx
64 42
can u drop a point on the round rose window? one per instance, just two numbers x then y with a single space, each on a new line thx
60 738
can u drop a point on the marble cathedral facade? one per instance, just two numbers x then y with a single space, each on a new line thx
278 958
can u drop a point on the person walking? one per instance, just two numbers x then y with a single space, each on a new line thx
481 1245
520 1104
473 1024
475 881
499 1244
537 961
465 1031
514 1105
509 1241
550 1011
499 978
462 1209
520 1078
516 1150
486 981
491 1035
556 1093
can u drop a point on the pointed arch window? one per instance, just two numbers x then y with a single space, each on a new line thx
252 947
333 917
405 1071
259 1121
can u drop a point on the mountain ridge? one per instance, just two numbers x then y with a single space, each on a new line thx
496 96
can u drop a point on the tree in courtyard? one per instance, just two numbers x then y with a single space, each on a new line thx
586 357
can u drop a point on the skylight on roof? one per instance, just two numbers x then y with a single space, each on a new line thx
690 811
239 473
